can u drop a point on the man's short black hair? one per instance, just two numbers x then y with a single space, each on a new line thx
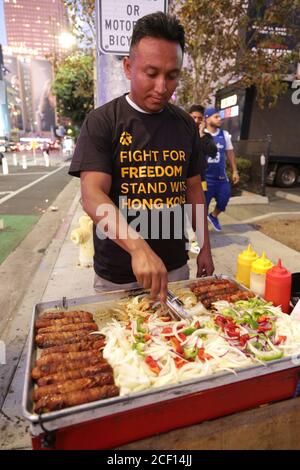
158 25
196 108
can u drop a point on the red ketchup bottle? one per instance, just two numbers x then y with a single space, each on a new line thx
278 287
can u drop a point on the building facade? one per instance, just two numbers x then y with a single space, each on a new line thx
33 28
35 25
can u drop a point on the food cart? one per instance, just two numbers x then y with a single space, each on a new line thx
119 420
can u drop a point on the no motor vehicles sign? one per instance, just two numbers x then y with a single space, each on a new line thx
116 19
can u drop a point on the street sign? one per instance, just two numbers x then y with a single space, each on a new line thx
116 20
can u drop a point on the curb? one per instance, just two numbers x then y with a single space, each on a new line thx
251 199
288 196
280 215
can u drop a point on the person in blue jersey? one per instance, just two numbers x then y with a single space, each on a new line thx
218 185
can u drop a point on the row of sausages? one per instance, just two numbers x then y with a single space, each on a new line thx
71 369
211 290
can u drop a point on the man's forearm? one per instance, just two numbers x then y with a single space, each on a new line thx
232 161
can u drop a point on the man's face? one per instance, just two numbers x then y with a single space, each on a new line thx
214 120
197 116
153 69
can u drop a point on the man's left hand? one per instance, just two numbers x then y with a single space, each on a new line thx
205 264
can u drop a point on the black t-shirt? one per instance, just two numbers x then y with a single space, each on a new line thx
150 157
208 145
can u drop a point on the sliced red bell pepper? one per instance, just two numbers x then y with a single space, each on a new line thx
262 319
243 339
147 337
203 356
281 339
225 322
179 362
176 344
263 328
153 365
182 336
220 321
167 329
233 333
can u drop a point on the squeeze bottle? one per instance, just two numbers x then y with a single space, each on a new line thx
258 271
245 259
278 286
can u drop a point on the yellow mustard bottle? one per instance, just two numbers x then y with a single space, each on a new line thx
244 261
259 269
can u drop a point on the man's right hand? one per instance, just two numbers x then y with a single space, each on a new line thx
150 272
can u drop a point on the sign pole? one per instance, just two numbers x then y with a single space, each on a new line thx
111 81
114 24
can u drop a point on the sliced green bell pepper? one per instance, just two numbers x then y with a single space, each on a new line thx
139 323
189 331
270 355
190 353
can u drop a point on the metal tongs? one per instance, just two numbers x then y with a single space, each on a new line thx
176 308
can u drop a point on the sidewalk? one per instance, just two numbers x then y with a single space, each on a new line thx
65 278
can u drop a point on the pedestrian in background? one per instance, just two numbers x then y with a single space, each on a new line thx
46 148
208 145
218 186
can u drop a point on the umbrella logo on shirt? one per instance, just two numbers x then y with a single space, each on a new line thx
125 138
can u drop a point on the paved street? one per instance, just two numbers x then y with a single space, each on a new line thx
31 191
55 158
25 194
